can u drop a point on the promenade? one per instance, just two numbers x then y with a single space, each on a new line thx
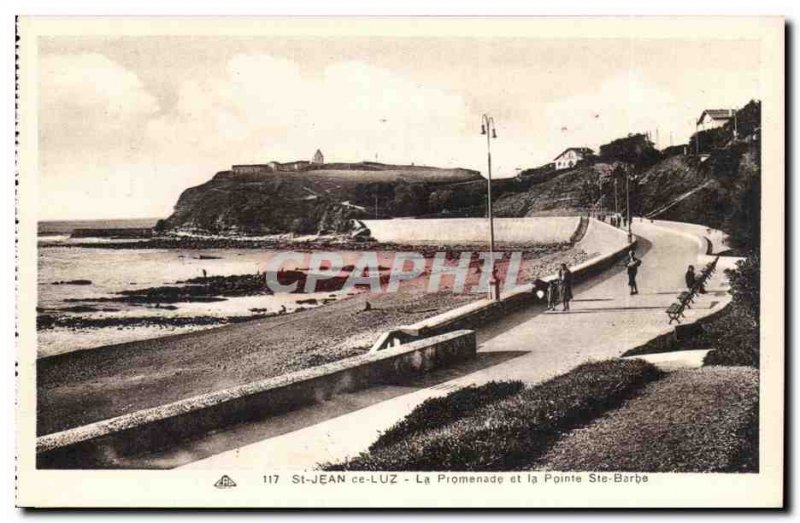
532 345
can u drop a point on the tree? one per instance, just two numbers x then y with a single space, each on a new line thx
636 149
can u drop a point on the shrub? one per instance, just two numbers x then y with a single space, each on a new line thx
735 338
512 433
437 412
745 282
709 140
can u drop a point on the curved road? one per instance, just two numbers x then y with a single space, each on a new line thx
531 345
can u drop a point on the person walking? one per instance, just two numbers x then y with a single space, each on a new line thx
565 285
632 265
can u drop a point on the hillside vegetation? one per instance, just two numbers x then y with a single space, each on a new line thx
719 188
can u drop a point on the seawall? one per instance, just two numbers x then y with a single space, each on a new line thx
473 230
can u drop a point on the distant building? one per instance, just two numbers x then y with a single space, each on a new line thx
570 157
318 158
251 169
299 165
713 118
271 167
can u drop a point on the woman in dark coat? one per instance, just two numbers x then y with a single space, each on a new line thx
565 285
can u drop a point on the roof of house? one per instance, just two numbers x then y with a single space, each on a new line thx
581 150
716 114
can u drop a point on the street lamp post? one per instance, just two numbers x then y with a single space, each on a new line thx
488 129
628 203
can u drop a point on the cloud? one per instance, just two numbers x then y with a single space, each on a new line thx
619 105
110 136
265 108
89 99
92 117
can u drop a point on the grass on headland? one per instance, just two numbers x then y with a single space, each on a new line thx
703 420
512 433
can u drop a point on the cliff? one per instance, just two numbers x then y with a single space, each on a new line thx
310 199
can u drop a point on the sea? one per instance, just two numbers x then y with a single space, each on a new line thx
113 270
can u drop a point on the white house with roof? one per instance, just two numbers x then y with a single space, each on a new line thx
713 118
571 156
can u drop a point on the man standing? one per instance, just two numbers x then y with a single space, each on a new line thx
565 284
632 265
690 277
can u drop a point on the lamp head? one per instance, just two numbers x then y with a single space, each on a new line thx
483 129
494 133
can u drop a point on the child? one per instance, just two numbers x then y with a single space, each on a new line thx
552 295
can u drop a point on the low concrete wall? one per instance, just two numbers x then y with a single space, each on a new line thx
717 241
602 238
610 242
473 230
100 444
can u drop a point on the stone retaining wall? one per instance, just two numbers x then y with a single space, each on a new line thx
100 444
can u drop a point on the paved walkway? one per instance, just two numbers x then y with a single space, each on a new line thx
533 345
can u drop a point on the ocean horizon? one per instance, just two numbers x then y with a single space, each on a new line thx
62 227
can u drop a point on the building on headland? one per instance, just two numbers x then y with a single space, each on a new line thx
271 167
251 169
713 118
318 159
571 156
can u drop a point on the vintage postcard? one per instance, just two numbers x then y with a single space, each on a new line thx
400 262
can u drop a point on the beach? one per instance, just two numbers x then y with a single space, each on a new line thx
81 386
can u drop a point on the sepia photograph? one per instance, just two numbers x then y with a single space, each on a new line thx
404 262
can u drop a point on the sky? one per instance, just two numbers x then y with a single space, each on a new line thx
127 123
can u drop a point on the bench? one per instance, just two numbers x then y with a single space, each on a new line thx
675 312
686 298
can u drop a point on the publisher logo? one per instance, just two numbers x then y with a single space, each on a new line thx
225 482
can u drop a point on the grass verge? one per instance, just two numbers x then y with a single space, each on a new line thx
702 420
434 413
512 433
